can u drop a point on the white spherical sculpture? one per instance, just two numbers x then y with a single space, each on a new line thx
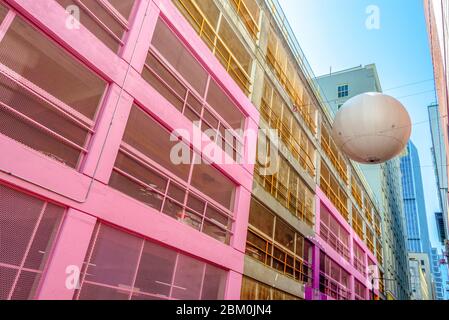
372 128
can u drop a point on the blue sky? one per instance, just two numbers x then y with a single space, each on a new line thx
332 33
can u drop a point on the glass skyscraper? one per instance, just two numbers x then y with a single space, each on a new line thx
414 203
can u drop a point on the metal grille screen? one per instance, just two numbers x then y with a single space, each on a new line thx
28 227
121 266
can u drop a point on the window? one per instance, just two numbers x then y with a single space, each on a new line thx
249 12
359 259
255 290
357 223
65 104
333 233
286 251
261 218
106 19
28 229
333 153
343 91
360 290
285 185
210 181
332 189
287 73
334 280
144 171
215 31
278 116
121 266
176 74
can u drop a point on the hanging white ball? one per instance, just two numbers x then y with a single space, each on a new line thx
372 128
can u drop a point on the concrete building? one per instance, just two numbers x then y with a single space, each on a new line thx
437 27
421 276
90 184
440 275
338 87
383 179
440 164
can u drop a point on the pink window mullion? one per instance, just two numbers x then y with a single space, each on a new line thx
141 28
137 270
69 251
110 128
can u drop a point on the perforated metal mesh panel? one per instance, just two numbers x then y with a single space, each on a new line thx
107 20
122 266
48 100
28 227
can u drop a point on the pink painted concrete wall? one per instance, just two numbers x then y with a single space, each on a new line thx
84 192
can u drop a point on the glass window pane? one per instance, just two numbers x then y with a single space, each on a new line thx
155 270
114 258
211 182
214 284
223 105
261 218
172 49
284 235
150 138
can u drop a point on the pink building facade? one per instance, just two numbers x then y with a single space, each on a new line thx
91 204
87 185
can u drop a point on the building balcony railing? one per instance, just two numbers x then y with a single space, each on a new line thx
161 76
286 136
333 240
379 256
335 159
334 198
370 244
104 20
360 265
293 94
273 255
215 43
247 17
356 193
285 197
139 177
332 288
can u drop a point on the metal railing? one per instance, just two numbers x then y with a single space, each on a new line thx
218 47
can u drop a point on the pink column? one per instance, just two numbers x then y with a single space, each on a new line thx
68 255
352 286
233 286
